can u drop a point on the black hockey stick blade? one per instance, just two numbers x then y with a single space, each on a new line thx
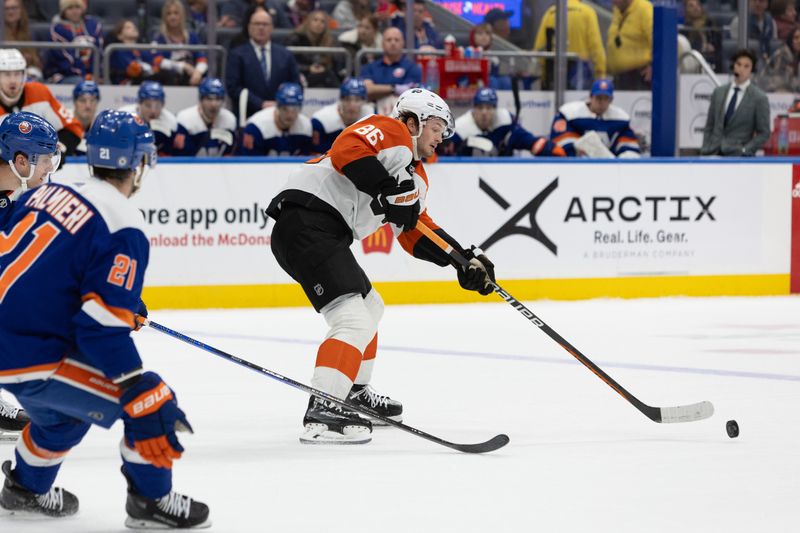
496 442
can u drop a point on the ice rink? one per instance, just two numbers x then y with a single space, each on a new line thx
581 459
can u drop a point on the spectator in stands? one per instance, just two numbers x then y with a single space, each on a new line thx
583 38
760 26
72 25
16 22
630 44
319 70
198 15
206 129
781 73
738 115
85 98
150 107
394 72
481 36
17 95
347 13
297 10
233 13
595 127
488 130
280 130
180 67
703 33
424 32
498 20
258 65
129 67
38 10
364 35
784 12
329 121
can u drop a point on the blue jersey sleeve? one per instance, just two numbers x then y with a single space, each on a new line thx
252 141
564 134
111 289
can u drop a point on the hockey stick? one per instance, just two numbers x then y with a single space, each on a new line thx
490 445
681 413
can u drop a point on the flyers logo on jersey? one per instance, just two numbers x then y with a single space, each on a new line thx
25 127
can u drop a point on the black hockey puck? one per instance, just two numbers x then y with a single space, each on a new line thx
732 428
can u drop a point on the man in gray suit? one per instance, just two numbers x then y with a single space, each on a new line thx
738 116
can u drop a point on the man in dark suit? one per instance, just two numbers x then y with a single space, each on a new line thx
738 115
259 65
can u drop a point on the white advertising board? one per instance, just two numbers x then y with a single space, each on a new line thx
207 226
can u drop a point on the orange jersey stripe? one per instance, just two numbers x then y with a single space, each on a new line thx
120 312
29 369
337 354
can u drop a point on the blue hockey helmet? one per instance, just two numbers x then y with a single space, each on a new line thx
289 94
31 135
151 90
486 95
353 87
211 88
122 141
86 87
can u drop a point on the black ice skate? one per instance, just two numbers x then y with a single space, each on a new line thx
12 421
173 511
15 498
365 396
327 423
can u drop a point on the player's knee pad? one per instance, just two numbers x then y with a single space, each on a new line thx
374 303
350 321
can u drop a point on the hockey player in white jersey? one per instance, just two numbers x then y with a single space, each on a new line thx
595 127
373 174
150 107
206 129
329 121
281 129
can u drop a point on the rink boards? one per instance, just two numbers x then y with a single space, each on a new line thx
553 230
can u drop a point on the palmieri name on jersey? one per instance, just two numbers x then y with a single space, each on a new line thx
65 207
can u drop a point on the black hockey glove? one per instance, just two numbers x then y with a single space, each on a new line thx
480 274
400 204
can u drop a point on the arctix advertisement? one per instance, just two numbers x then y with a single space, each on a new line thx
207 226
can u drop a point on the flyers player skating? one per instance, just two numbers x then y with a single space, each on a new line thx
372 175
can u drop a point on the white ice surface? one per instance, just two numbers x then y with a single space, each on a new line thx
581 459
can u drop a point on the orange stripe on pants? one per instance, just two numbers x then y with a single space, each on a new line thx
345 358
372 348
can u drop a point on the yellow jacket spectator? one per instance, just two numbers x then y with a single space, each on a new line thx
583 38
630 44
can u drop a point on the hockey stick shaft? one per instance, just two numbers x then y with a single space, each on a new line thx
687 413
492 444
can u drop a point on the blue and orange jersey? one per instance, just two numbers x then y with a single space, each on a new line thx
196 137
614 127
262 136
72 264
504 134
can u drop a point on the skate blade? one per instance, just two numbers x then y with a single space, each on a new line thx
9 437
141 524
319 434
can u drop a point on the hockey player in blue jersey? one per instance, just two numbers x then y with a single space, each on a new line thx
329 121
487 130
595 127
72 275
206 129
150 107
19 172
281 129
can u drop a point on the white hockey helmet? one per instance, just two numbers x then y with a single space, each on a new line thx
12 60
425 104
